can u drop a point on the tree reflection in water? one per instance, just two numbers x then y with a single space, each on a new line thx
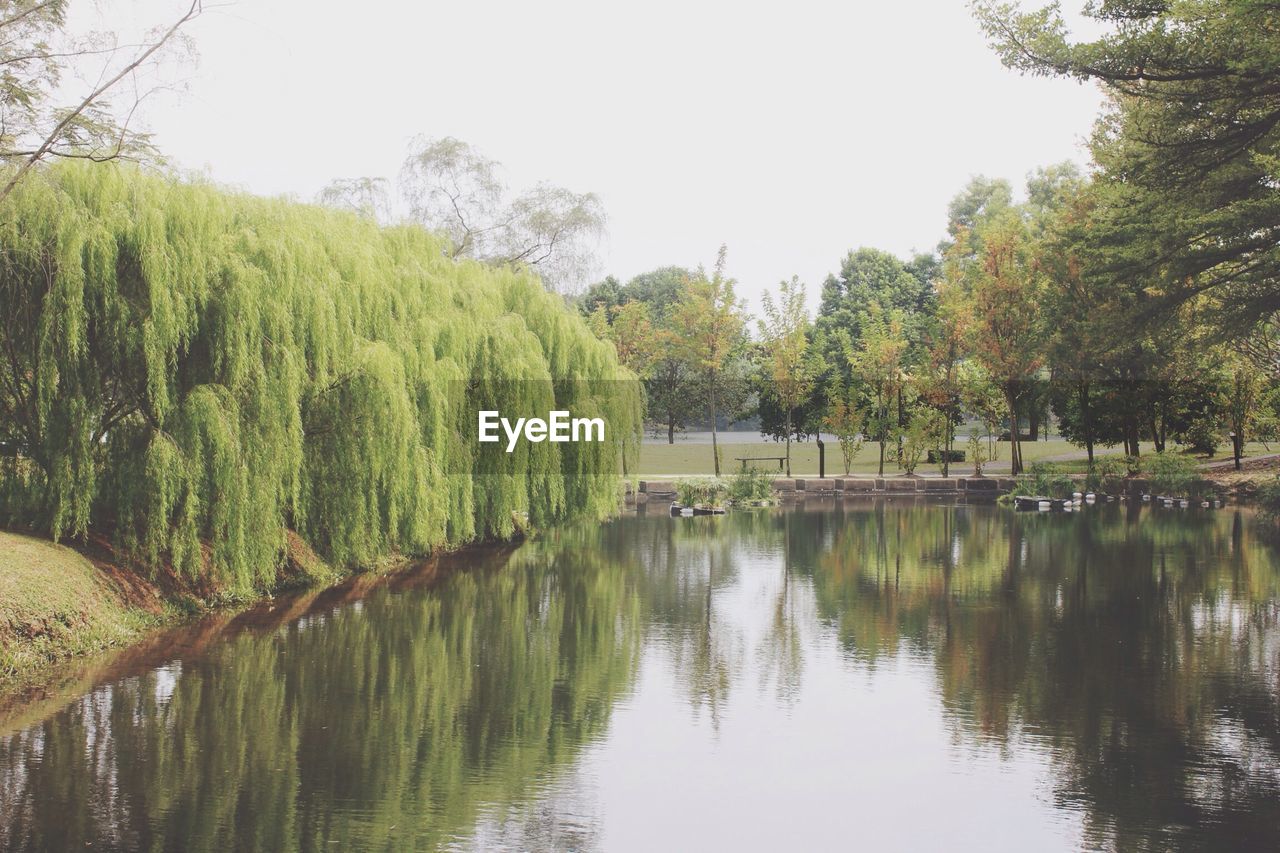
1139 650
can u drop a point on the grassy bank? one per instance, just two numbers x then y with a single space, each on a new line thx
55 603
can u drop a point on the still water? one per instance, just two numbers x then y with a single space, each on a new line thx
878 675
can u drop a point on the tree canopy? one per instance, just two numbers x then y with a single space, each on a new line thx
186 366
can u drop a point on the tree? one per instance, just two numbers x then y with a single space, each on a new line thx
365 197
845 421
36 55
872 275
784 333
1001 316
633 335
321 382
708 323
451 188
878 366
1243 391
982 200
1189 147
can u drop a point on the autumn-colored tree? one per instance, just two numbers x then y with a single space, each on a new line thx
784 334
708 324
845 421
630 329
1001 313
878 364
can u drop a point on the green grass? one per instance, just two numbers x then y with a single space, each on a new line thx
685 459
55 604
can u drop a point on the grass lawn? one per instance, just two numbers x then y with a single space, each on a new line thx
689 459
54 603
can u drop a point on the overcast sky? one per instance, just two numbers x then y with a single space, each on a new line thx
792 132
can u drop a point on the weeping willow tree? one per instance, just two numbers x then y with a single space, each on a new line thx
197 372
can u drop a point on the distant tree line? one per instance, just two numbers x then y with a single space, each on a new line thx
1134 303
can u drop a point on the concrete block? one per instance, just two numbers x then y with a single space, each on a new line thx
856 484
815 484
937 484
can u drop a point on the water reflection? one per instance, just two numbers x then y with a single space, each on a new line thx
819 676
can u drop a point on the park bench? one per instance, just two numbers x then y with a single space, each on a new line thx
781 460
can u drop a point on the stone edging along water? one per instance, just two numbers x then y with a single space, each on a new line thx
665 490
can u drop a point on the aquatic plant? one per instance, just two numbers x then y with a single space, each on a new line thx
1043 479
750 484
198 371
1106 475
701 490
1171 474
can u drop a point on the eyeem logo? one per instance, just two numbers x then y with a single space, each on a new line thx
559 427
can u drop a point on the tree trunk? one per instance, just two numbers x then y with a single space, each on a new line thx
1085 421
900 426
715 448
671 431
788 442
884 415
1015 447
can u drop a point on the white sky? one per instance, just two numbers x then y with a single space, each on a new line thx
792 132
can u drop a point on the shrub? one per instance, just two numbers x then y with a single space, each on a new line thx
1171 473
700 490
751 484
977 453
1105 474
918 438
1269 498
1044 479
1202 436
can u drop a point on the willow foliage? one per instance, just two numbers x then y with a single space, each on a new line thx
200 371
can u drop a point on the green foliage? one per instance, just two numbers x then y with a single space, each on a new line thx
1044 479
701 490
845 421
1171 474
1105 474
920 435
750 484
1269 497
199 371
1188 150
977 450
1202 435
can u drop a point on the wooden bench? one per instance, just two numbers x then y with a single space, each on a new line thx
781 460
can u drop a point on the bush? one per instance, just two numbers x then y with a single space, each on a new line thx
1046 480
701 490
917 439
750 484
1269 497
977 453
1171 473
1105 474
1202 436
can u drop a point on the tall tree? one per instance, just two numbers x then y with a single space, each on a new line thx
1189 147
878 365
453 189
1002 314
365 197
784 333
37 54
709 322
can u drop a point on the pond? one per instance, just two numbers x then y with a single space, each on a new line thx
881 674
